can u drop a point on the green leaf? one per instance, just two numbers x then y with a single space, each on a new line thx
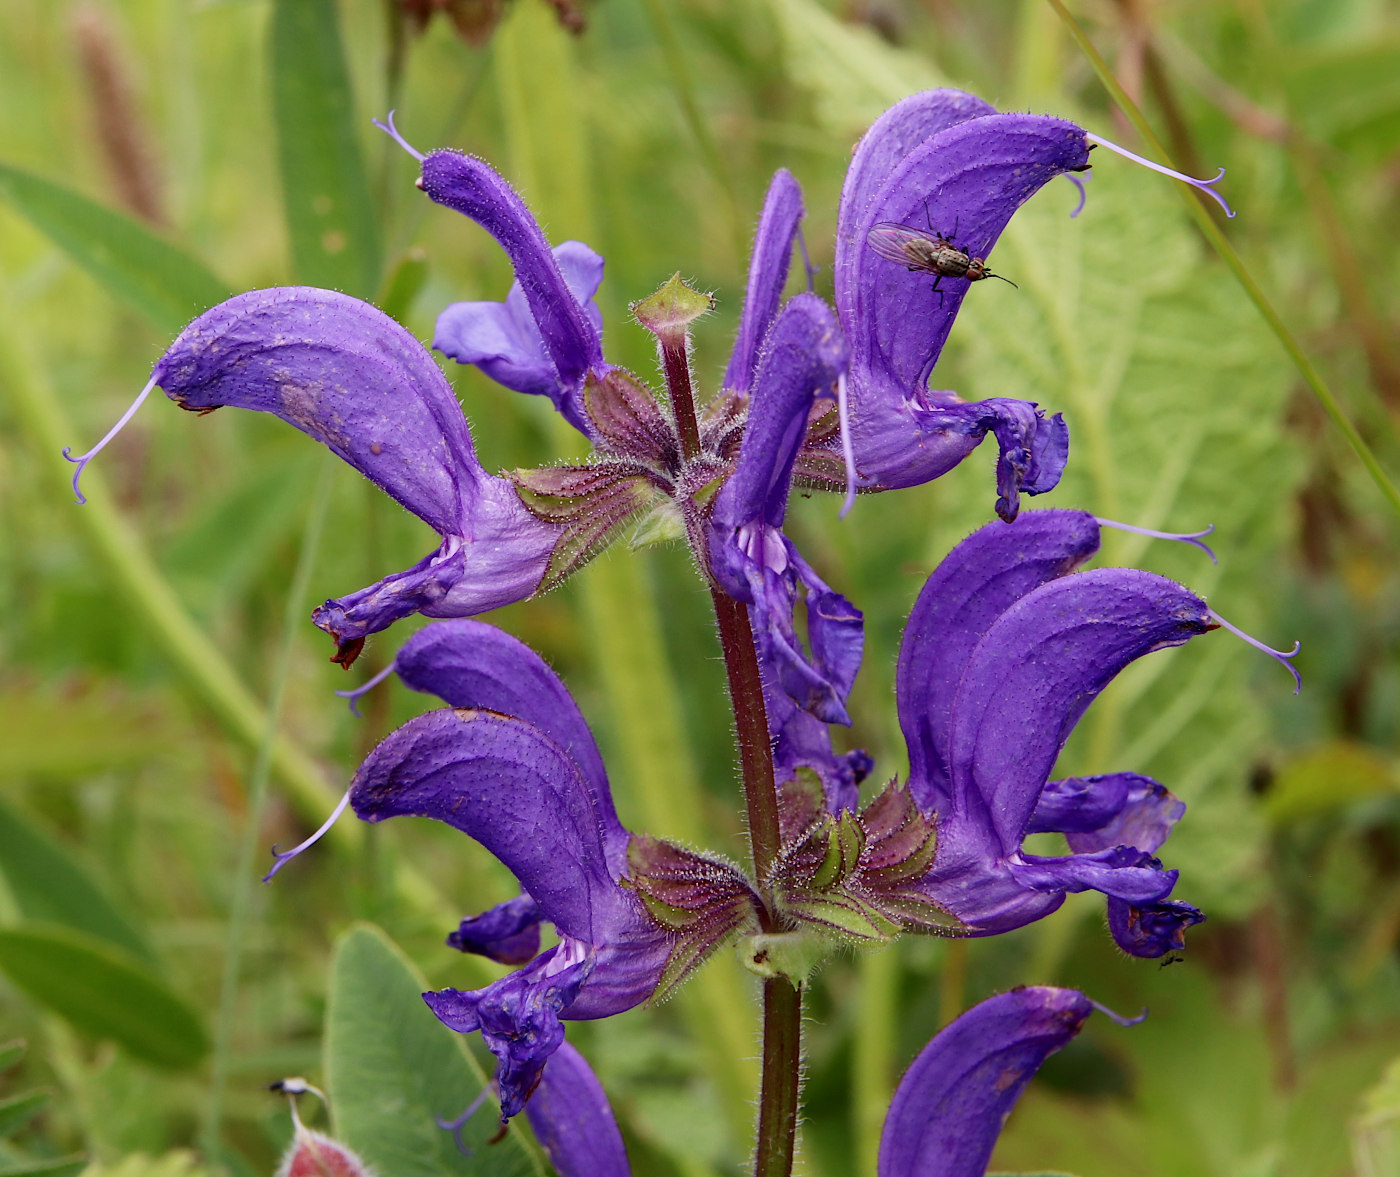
147 272
851 74
1329 776
48 884
11 1053
330 217
103 992
392 1068
62 1167
17 1111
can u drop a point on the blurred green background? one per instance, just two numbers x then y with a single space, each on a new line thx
147 635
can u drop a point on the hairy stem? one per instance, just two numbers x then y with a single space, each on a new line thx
676 363
782 1064
751 728
782 1001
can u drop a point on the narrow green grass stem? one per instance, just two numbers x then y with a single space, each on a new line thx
1211 231
245 872
127 563
683 84
872 1054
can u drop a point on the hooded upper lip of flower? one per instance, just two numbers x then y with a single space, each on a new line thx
512 764
948 160
1003 653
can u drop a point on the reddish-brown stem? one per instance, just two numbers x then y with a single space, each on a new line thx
676 362
782 1078
780 1091
751 728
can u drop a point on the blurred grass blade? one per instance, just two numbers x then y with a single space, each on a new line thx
154 604
158 279
17 1111
11 1053
48 884
330 217
62 1167
392 1068
104 992
1221 244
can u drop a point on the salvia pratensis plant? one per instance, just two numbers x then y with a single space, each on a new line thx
1007 645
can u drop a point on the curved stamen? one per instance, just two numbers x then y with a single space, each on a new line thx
1206 186
807 262
1279 655
456 1126
84 459
354 695
848 449
393 132
1117 1017
1078 182
285 856
1193 538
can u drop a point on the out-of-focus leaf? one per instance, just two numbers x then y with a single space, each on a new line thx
1349 96
62 734
849 72
17 1111
392 1068
178 1163
11 1053
330 217
104 992
147 272
1375 1135
1329 776
61 1167
49 885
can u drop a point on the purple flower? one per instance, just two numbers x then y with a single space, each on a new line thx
512 764
949 167
951 1104
349 376
944 1119
547 337
1003 653
573 1120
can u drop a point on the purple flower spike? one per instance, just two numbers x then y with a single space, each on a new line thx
947 169
803 356
1003 652
949 1108
768 271
349 376
1153 930
573 1120
549 339
1206 186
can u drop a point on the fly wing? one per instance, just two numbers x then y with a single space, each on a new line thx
911 248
